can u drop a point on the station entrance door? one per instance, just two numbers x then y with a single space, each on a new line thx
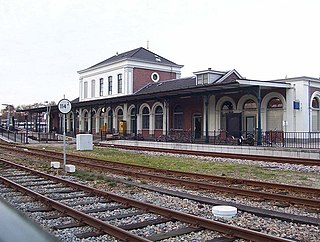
233 124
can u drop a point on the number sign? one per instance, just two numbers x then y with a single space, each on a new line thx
64 106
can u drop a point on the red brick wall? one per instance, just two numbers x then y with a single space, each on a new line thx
141 77
190 106
157 132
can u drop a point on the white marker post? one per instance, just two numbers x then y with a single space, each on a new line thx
64 107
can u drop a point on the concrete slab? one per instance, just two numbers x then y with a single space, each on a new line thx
252 150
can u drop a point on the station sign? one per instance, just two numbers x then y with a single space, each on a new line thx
64 106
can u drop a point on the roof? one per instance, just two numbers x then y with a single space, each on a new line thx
299 78
141 54
184 83
169 85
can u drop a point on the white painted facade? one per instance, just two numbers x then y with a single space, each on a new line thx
125 68
303 90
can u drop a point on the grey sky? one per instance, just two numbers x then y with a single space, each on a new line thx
44 43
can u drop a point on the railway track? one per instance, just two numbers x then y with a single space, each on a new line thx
54 193
290 160
305 196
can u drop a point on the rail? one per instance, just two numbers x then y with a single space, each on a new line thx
164 176
200 222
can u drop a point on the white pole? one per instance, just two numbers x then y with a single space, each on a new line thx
64 141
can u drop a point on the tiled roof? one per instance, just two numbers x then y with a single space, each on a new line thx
183 83
136 54
169 85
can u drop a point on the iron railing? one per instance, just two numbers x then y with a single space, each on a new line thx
271 138
24 137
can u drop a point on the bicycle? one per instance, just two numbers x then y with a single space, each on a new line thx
224 138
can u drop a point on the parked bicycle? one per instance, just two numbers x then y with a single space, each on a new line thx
225 138
249 139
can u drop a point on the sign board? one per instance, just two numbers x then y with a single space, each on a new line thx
64 106
296 105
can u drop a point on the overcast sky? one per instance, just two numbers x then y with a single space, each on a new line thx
44 43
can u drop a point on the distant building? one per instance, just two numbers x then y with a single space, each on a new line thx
142 93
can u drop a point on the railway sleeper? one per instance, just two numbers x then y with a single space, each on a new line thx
173 233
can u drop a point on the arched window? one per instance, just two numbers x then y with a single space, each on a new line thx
315 103
178 117
110 121
119 117
249 116
226 108
93 121
145 118
133 121
101 119
77 120
274 114
275 103
120 114
158 118
249 105
316 114
86 122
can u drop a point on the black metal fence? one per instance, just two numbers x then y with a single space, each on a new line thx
272 138
24 137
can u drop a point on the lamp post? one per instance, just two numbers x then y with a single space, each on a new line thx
48 116
26 120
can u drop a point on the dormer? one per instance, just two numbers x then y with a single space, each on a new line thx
210 76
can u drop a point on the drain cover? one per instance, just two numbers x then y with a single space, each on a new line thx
224 211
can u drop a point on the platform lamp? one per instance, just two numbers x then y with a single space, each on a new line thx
27 126
47 116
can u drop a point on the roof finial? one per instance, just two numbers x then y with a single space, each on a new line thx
147 44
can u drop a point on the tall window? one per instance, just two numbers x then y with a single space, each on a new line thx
178 117
133 121
274 114
249 116
159 118
110 121
85 89
226 108
101 87
119 83
145 118
110 85
93 121
86 122
101 119
315 114
119 117
93 88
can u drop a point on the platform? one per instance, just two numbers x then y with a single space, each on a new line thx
14 226
235 149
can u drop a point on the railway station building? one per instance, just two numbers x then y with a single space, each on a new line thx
140 94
